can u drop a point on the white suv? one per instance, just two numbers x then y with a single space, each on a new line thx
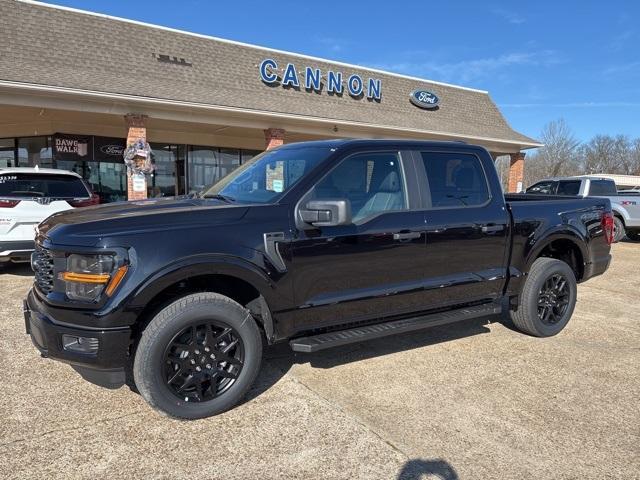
28 195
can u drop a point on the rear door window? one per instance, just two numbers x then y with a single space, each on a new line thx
455 179
603 188
30 185
569 187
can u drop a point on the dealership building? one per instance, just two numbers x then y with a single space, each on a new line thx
77 87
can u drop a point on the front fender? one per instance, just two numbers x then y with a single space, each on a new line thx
206 264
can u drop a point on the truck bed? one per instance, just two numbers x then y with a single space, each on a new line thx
532 197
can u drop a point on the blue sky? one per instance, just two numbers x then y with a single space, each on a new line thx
540 61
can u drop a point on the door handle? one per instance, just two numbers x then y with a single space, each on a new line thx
404 236
492 228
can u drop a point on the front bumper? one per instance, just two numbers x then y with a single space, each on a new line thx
17 251
103 363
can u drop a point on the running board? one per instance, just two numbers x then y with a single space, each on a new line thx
359 334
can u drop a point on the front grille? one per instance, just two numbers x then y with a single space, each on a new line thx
42 263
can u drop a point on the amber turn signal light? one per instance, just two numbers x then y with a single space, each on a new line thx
85 277
116 279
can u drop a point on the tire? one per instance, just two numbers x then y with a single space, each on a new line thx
528 317
187 335
618 229
633 235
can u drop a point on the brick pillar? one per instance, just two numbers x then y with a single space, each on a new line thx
516 173
136 130
274 137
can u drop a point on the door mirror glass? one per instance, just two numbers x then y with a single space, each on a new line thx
327 212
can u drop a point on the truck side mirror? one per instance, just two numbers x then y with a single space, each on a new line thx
327 213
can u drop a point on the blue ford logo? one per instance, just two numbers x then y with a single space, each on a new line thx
424 99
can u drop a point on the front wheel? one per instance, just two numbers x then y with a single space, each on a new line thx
618 229
548 298
198 356
633 235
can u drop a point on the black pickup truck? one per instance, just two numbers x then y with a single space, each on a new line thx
318 244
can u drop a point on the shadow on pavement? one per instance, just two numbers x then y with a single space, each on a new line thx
278 359
422 469
18 269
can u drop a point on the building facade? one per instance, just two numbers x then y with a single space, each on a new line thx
76 88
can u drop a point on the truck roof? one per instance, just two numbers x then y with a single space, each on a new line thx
45 171
341 142
574 177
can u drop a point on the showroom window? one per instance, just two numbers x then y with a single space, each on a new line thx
207 165
167 178
34 151
7 152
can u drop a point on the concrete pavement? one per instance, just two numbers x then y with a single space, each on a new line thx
471 400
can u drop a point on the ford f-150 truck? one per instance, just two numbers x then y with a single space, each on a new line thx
625 206
316 244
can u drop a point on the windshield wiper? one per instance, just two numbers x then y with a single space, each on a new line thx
218 196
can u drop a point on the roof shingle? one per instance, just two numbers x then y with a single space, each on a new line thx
59 47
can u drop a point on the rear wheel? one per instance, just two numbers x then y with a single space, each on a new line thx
548 298
633 235
618 229
198 356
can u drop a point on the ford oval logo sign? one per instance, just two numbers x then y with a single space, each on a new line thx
117 150
424 99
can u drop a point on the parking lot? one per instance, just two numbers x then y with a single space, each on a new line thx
472 400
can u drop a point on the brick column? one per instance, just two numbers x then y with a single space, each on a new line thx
274 137
516 172
136 130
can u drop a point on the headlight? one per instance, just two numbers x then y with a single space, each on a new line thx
88 276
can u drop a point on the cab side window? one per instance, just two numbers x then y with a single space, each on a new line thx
603 188
455 180
372 182
569 187
541 188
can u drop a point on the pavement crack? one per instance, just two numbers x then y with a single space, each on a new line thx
348 414
69 429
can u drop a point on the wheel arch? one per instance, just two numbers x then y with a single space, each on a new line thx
229 276
565 245
620 212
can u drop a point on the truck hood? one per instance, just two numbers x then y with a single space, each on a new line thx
91 225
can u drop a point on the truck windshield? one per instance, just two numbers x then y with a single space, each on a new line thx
265 178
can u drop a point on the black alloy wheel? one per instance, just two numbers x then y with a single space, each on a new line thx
618 229
553 299
203 361
198 356
547 299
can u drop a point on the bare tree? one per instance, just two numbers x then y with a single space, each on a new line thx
635 157
607 154
557 157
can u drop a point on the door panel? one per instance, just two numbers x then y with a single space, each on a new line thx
356 272
467 231
371 267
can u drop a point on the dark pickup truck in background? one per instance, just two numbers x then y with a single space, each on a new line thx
319 244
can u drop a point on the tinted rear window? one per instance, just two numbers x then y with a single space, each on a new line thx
603 188
29 185
568 187
455 180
